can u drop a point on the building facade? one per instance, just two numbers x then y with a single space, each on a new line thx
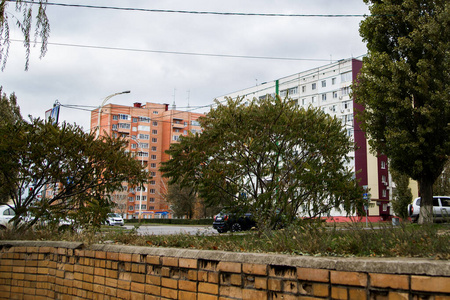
150 128
329 88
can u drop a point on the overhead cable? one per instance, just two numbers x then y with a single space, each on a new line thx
197 12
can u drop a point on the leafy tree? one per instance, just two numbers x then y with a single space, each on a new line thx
62 171
267 156
41 30
402 194
442 184
9 114
182 200
404 87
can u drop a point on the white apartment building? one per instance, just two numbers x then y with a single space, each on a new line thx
328 88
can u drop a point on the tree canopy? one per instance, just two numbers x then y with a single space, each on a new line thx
41 28
62 171
268 156
404 87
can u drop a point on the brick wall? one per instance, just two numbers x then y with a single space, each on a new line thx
60 270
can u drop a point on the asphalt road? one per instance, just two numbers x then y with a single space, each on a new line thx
173 229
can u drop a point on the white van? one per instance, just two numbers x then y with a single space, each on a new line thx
6 214
441 208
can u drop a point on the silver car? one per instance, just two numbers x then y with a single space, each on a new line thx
114 219
6 214
441 208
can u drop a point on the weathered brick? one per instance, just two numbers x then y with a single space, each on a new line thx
310 274
320 290
123 285
254 269
248 294
170 283
137 277
290 286
339 293
187 285
231 291
187 295
389 281
137 296
201 296
208 288
154 260
230 267
152 289
169 293
125 257
137 287
430 284
170 261
348 278
260 283
274 284
357 294
188 263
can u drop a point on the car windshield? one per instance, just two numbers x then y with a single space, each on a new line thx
114 215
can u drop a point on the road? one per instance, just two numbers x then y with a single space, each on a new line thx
173 229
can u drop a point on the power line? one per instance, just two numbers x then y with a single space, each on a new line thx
198 12
178 52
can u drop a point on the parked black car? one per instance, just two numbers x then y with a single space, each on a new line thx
226 221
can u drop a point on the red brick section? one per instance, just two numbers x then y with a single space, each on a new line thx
44 271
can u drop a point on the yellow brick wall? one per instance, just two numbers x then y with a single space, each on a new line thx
58 270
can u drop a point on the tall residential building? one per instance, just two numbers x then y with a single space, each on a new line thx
150 128
329 88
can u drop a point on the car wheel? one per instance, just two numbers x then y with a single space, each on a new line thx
236 227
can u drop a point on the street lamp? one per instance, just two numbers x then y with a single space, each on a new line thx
101 106
137 141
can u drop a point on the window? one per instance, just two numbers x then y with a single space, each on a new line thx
154 140
143 145
115 117
142 154
154 131
155 112
152 191
445 202
383 165
324 83
151 199
144 206
324 97
335 95
313 86
303 101
124 125
152 182
143 136
333 80
195 123
138 189
134 128
133 146
152 165
313 99
124 117
293 91
153 148
383 178
303 88
153 157
345 77
176 137
144 119
346 90
130 207
143 128
155 123
114 126
134 120
151 207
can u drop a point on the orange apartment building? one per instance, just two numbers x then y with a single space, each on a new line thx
150 128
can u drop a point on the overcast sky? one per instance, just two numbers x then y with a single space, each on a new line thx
81 77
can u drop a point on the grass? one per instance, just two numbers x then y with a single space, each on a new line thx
406 240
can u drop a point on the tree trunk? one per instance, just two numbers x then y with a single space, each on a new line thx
426 202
